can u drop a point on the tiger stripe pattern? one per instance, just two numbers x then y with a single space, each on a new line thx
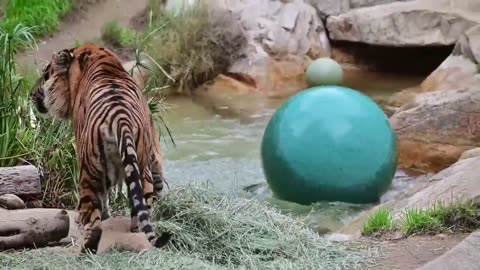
114 133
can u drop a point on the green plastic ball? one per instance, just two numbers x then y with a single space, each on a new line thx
324 71
329 143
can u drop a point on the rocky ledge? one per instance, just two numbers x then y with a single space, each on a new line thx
439 120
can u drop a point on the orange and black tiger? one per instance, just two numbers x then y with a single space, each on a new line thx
114 132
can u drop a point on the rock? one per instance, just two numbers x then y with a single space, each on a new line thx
116 235
463 256
338 237
458 183
335 7
280 35
440 119
11 201
410 23
475 152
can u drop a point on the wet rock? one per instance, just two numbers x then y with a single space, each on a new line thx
441 119
410 23
11 201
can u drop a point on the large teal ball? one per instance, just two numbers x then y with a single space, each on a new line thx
324 71
329 143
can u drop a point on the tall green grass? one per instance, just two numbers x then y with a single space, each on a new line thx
15 135
24 139
43 15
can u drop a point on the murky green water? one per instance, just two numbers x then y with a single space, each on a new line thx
225 151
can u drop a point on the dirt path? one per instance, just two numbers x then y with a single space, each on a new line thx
416 251
84 25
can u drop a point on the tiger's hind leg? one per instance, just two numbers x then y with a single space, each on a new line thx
89 210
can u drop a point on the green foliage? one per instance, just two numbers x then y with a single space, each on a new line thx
463 217
117 36
43 15
55 154
15 136
194 46
380 221
420 221
456 217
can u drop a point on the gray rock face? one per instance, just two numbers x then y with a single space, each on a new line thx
441 120
458 183
335 7
410 23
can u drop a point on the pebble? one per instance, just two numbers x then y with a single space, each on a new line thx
11 201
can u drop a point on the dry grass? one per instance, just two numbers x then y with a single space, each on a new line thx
213 231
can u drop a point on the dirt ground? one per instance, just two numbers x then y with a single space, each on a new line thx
413 252
84 24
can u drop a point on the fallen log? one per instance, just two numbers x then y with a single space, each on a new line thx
23 181
32 227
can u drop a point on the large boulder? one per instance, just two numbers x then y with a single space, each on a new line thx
280 34
440 120
410 23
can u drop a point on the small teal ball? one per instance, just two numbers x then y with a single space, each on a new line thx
324 71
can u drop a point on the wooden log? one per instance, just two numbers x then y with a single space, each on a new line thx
32 227
23 181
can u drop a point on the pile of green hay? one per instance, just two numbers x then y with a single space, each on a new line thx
214 231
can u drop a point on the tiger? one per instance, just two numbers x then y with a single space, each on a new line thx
114 133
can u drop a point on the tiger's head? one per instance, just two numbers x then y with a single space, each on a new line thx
59 84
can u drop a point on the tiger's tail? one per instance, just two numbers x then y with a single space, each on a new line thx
135 191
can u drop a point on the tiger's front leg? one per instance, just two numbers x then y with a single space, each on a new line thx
90 211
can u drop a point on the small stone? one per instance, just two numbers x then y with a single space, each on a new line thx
338 237
11 201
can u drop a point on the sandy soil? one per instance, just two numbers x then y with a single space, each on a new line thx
84 24
413 252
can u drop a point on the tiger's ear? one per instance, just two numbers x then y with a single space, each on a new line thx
63 59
